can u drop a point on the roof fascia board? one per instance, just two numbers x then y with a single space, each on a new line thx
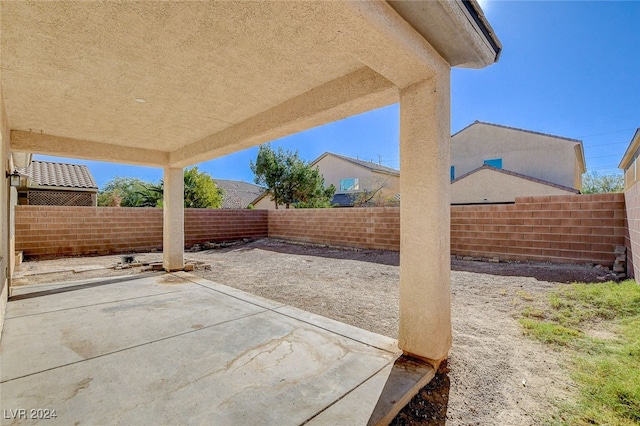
457 29
580 155
516 175
61 188
533 132
354 163
475 11
259 198
371 169
317 160
42 143
633 147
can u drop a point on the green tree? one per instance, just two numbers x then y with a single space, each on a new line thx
109 199
594 183
290 180
307 188
200 191
269 171
129 192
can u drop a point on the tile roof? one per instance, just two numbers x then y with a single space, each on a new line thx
518 175
366 164
44 173
238 194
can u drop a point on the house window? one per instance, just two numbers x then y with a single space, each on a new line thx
350 184
453 172
494 162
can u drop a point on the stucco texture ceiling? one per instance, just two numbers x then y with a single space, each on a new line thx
175 83
199 68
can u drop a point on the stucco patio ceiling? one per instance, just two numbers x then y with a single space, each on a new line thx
171 84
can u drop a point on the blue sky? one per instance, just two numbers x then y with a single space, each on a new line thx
567 68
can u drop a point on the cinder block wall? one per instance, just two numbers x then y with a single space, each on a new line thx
53 231
202 225
563 229
569 229
372 228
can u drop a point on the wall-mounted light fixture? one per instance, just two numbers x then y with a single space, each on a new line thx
14 178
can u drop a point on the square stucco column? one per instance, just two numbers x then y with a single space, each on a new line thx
425 296
173 225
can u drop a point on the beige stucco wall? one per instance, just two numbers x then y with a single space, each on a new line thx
424 329
490 186
173 219
539 156
334 169
6 240
265 203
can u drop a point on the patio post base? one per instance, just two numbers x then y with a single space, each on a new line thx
407 377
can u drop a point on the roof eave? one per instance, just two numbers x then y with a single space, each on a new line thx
457 29
502 126
21 160
580 153
633 147
61 188
516 175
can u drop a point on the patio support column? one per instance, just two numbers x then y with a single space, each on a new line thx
425 297
173 224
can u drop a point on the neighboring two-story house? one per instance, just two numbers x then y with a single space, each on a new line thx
491 163
355 181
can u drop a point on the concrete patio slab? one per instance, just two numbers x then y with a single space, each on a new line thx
174 348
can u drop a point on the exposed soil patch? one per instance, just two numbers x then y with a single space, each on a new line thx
496 375
553 272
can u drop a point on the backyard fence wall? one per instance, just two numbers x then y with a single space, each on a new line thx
372 228
563 229
50 231
566 228
202 225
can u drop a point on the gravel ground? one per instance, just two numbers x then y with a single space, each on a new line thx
495 375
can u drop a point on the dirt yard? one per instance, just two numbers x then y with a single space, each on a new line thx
496 376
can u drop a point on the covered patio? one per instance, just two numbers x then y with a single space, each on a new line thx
180 349
189 351
172 84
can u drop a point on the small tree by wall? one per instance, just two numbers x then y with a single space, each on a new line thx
290 180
